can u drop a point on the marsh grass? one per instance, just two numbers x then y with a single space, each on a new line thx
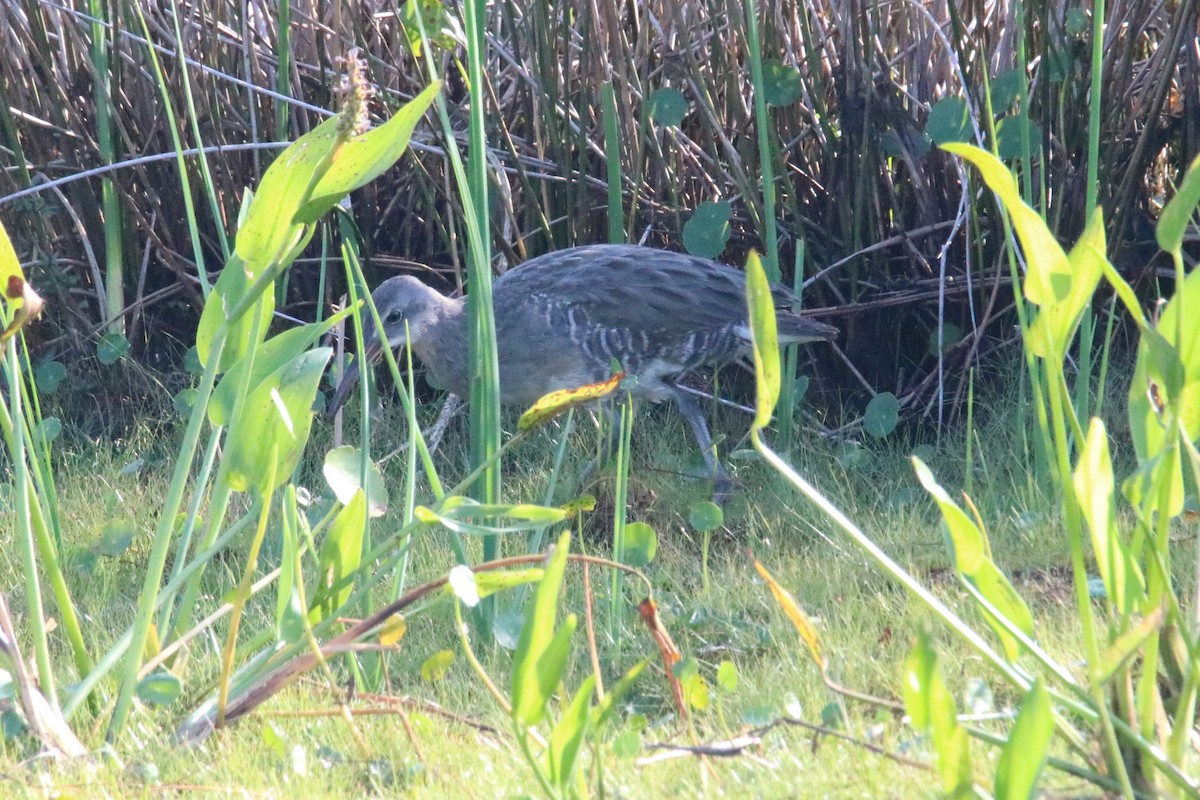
866 622
842 119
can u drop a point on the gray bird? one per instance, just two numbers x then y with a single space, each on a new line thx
563 318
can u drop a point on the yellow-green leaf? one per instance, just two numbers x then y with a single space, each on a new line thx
274 424
341 553
764 332
1028 744
231 286
1177 215
973 560
1049 274
1095 490
269 224
364 157
1052 331
392 630
794 612
434 668
551 405
931 708
528 697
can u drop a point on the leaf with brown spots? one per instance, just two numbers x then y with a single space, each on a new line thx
555 403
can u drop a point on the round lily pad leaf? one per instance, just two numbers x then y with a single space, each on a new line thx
895 143
1004 89
667 106
705 516
115 537
641 545
781 83
341 470
695 689
49 375
159 689
183 401
47 431
111 347
1011 134
507 629
759 716
686 667
727 677
1077 21
707 231
949 121
801 389
434 668
882 414
951 335
925 452
905 497
627 744
832 716
191 361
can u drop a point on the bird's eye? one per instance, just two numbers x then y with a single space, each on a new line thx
395 315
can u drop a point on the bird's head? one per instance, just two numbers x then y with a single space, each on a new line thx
407 308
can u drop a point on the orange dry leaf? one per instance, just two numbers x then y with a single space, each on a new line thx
666 648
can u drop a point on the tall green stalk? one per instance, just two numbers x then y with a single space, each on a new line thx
1087 326
616 594
114 261
485 378
177 142
612 162
283 68
762 125
25 536
161 543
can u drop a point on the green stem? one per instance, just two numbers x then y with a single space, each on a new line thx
102 75
161 544
766 166
25 535
612 164
1055 384
242 594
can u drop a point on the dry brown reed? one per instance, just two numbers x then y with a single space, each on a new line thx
856 180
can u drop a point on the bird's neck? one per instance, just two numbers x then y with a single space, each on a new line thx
443 348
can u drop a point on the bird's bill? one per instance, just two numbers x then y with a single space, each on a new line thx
374 350
809 330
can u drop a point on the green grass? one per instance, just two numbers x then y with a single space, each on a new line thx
866 623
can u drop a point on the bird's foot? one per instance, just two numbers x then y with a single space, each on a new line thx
722 488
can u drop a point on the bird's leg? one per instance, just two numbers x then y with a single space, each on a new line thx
433 436
695 417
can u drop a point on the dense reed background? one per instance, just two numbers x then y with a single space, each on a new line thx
651 102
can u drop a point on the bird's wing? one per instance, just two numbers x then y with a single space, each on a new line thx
634 288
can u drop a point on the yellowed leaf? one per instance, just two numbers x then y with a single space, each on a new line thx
555 403
803 625
393 630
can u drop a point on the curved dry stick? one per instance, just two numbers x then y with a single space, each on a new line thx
282 676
